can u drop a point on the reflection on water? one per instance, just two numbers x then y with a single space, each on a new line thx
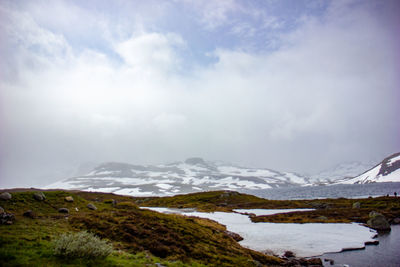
386 254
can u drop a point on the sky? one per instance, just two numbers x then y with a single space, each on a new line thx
289 85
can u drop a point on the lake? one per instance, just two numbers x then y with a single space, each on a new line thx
331 191
385 254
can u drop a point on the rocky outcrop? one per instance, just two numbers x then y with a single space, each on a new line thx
378 222
356 205
5 196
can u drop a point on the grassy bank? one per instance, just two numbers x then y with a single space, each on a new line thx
139 237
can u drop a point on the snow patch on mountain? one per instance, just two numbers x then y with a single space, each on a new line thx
387 171
192 175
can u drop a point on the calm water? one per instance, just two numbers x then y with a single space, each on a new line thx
386 254
331 191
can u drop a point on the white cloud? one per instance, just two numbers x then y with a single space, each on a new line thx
320 95
151 51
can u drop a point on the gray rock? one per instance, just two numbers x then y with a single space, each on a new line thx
69 199
396 221
378 222
5 196
1 210
356 205
6 218
63 210
322 218
39 196
91 206
29 214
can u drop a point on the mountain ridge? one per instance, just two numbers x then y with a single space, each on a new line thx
196 175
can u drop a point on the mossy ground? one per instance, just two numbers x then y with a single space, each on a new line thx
140 237
327 210
144 238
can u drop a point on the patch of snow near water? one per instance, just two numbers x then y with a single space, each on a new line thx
305 240
259 212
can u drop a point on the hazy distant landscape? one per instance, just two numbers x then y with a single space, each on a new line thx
199 133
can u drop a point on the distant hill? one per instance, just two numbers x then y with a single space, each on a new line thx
192 175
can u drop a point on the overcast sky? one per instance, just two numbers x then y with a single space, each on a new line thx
288 85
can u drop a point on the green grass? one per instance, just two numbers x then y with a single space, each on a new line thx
139 237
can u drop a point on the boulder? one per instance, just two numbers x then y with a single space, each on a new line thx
91 206
5 196
29 214
1 210
235 236
378 222
63 210
396 221
322 218
289 254
356 205
6 218
373 214
39 196
69 199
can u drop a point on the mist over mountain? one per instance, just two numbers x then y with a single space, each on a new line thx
192 175
197 174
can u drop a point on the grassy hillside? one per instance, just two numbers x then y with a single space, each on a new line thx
139 237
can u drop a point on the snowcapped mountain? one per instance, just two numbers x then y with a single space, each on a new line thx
386 171
193 175
341 171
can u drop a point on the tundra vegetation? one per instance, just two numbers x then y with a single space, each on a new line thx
140 237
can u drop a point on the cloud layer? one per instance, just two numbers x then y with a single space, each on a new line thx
136 83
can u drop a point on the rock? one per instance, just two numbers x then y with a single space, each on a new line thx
310 262
6 218
314 261
396 220
322 218
378 222
356 205
5 196
160 265
91 206
376 242
39 196
373 214
63 210
29 214
235 236
331 262
69 199
1 210
289 254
